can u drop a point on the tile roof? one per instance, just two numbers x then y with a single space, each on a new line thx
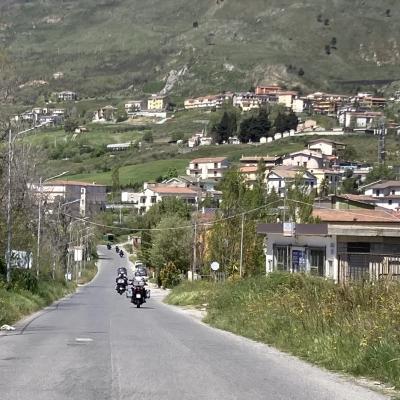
384 184
354 216
65 182
208 160
249 169
174 190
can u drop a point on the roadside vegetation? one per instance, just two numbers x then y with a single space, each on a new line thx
353 329
26 294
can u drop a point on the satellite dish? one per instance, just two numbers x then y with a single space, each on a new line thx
215 266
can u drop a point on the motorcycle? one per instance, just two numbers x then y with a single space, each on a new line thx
121 253
108 246
121 286
116 249
139 293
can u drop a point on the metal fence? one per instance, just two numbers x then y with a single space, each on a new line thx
367 266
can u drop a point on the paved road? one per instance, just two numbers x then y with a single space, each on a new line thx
96 345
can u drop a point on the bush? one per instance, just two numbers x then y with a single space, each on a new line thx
170 275
23 279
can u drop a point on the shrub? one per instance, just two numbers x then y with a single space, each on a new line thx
170 275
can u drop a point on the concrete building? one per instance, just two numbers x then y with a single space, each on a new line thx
307 159
208 168
326 147
280 178
157 102
92 197
67 96
347 245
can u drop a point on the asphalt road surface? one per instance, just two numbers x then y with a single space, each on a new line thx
96 345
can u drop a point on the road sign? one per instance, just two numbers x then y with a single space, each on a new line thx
78 253
215 266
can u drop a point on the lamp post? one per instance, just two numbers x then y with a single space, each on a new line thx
40 216
11 140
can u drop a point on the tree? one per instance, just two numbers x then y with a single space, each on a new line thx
115 180
170 244
255 127
381 172
148 137
121 115
324 187
225 128
70 125
286 122
299 201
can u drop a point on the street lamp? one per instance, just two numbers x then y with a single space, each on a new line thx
11 140
40 215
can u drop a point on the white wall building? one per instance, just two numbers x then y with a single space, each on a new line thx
208 168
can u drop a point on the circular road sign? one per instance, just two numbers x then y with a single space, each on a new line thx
215 266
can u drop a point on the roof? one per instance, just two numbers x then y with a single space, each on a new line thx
361 215
326 141
173 190
259 158
309 153
208 160
385 184
289 172
62 182
248 169
301 229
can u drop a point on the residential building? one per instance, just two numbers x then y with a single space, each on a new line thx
280 178
208 168
58 75
246 101
286 98
67 96
372 102
331 178
206 102
105 114
326 147
346 245
155 193
157 102
269 161
349 201
133 106
92 197
307 159
267 89
298 106
361 120
382 189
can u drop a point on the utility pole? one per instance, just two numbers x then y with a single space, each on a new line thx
9 229
194 249
39 227
381 132
241 248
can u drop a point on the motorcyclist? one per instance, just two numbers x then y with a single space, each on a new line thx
140 282
121 275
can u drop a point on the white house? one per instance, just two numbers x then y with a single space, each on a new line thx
155 193
326 147
280 178
67 96
133 106
208 168
382 189
298 106
305 158
361 120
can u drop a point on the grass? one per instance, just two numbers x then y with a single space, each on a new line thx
136 173
352 329
17 303
88 273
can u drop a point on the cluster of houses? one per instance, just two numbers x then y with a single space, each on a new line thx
356 112
319 166
43 116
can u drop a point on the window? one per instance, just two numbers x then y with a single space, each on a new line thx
281 256
358 247
153 199
378 192
196 166
393 192
215 165
305 164
317 261
390 202
143 200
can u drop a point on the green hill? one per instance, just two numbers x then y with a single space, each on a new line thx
133 45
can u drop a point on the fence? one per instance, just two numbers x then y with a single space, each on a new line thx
367 266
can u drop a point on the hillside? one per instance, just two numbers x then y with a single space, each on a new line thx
131 45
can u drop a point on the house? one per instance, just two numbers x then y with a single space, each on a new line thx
298 106
246 101
382 189
208 168
157 102
361 120
326 147
133 106
346 245
331 178
267 89
155 193
269 161
206 102
348 201
286 98
67 96
372 102
89 197
233 140
119 146
58 75
306 158
280 178
249 174
105 114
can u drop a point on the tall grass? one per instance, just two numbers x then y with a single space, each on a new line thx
17 302
355 329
